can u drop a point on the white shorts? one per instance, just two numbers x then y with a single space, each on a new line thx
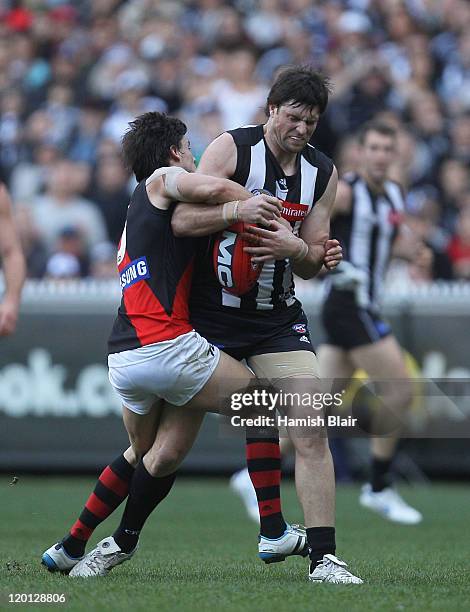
173 370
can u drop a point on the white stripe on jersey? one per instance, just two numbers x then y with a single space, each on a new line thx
257 175
386 229
394 193
381 256
359 246
308 179
230 300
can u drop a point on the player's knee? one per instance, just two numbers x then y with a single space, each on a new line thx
140 444
163 461
314 447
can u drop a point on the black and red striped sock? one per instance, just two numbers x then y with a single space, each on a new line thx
263 459
110 491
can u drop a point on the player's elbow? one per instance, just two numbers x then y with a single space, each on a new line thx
306 273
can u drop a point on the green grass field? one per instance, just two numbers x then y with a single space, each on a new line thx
199 553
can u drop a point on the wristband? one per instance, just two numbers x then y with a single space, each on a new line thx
232 217
235 211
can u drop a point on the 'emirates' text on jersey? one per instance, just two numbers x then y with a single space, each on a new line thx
257 168
367 232
155 270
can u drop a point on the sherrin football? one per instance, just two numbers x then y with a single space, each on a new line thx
233 267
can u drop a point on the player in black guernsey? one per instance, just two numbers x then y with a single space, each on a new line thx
267 326
367 218
165 373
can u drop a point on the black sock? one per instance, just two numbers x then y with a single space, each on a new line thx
321 541
381 477
110 490
145 493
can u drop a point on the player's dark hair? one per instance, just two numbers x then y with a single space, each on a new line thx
146 145
376 126
300 85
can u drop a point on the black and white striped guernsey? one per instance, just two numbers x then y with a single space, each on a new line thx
368 231
257 168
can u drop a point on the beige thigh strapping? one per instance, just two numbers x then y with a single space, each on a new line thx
291 364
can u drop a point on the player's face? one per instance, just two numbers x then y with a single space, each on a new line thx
293 126
378 153
187 158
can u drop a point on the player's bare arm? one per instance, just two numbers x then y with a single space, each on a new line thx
193 188
343 199
219 161
311 249
14 268
220 157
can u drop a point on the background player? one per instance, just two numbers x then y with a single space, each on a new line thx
366 218
14 268
267 325
165 373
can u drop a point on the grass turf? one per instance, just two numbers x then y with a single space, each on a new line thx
199 553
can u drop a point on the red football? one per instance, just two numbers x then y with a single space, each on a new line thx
233 267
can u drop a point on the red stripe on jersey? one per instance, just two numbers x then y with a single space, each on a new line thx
180 311
291 211
147 315
265 479
263 450
114 483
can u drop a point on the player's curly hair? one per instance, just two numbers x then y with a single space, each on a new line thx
146 144
301 85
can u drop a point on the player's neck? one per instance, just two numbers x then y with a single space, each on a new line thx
376 186
286 159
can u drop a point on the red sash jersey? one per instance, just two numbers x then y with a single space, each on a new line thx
155 272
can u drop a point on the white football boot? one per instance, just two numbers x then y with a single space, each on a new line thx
292 542
101 559
333 570
389 504
241 484
57 560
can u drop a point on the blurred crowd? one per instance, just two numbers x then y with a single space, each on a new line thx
73 74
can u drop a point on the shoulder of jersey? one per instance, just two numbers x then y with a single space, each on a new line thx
395 183
350 178
318 159
397 186
247 135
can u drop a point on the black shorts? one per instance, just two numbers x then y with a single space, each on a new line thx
242 335
348 326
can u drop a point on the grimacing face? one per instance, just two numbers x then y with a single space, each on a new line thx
378 153
187 158
292 126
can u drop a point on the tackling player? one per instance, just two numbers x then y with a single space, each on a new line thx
166 374
267 326
367 219
14 267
